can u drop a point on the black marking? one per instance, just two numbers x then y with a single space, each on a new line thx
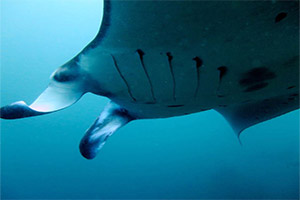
256 76
256 87
223 71
123 78
280 17
199 63
294 95
170 57
220 96
68 72
175 106
141 55
291 87
64 75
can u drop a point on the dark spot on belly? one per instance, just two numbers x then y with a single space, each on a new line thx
256 79
220 96
175 106
256 87
256 75
280 17
291 87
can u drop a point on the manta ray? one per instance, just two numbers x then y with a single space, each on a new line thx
159 59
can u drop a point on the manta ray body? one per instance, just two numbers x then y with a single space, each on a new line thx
157 59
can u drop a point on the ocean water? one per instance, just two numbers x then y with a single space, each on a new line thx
196 156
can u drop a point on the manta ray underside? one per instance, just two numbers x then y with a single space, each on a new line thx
157 59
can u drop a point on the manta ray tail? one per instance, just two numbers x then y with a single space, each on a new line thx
110 120
56 97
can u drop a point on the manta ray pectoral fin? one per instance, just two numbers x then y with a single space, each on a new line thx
56 97
110 120
244 115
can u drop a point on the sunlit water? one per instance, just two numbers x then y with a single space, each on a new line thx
195 156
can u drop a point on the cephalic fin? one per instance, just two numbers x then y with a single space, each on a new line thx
110 120
56 97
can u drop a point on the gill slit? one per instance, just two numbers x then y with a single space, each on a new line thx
170 58
123 78
141 54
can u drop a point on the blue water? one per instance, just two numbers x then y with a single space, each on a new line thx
195 156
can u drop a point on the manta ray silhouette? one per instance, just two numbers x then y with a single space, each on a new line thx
157 59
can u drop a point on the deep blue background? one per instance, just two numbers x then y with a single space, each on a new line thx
195 156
